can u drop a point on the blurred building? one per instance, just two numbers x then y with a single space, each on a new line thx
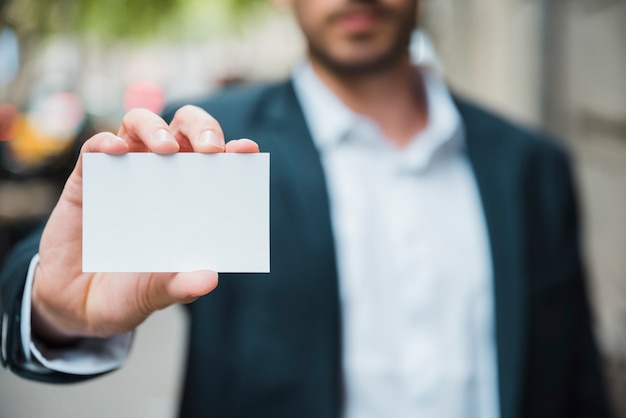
558 65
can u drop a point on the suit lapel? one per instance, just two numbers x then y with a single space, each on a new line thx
301 163
499 183
297 169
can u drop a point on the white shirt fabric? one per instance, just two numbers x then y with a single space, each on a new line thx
413 260
89 356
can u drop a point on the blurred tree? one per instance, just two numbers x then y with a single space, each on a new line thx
101 22
114 18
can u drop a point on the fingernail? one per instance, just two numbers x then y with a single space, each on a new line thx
163 135
211 138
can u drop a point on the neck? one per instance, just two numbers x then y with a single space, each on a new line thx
394 98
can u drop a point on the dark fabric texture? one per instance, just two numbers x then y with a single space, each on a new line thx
269 345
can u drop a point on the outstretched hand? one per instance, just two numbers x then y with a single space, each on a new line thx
69 304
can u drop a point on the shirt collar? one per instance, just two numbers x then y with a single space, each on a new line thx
443 131
330 121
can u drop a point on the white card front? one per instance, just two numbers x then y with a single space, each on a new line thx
144 212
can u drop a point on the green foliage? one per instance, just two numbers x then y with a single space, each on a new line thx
124 18
243 5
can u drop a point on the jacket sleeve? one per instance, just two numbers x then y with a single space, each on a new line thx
589 391
12 282
586 391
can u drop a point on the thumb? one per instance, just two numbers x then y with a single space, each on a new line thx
166 290
101 142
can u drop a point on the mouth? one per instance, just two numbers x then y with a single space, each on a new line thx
359 20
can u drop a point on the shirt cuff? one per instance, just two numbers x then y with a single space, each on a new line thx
88 356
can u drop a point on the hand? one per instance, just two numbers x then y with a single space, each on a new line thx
68 303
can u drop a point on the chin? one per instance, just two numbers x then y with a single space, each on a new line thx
361 64
364 56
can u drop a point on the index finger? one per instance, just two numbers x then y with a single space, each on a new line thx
146 131
197 131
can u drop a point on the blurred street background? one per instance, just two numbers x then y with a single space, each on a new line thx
71 67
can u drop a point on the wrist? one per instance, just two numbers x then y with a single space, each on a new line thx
44 327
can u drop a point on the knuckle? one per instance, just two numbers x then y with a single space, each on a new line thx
131 114
191 112
137 114
92 141
146 306
188 111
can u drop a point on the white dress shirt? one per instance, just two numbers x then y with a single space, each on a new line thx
413 260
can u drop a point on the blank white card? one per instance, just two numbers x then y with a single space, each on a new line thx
144 212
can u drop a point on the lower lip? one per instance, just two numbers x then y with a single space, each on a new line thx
358 22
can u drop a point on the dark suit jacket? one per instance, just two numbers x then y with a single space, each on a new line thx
269 345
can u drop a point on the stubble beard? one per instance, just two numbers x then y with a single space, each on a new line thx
394 54
369 66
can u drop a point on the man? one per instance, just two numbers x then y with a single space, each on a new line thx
425 254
